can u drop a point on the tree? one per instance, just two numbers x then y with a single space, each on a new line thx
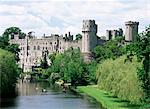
141 48
44 63
78 36
70 66
52 57
111 49
4 41
13 30
8 74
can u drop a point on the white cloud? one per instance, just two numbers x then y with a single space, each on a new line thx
49 16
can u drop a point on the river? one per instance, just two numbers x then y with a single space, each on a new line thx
46 96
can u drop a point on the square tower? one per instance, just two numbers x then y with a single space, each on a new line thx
131 31
89 38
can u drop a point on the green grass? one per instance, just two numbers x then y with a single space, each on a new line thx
106 99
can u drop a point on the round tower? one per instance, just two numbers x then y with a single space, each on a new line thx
131 31
89 38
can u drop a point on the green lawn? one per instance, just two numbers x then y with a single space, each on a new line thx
105 99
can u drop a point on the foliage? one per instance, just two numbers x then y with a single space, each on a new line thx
111 49
120 79
70 67
8 73
54 77
78 37
13 30
44 63
91 69
141 48
4 41
52 57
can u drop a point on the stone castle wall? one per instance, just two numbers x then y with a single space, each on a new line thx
32 50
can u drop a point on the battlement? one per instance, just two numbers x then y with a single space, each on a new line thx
131 23
89 25
112 34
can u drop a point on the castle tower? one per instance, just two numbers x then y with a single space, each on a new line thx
89 38
131 31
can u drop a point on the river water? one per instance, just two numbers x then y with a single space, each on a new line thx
46 96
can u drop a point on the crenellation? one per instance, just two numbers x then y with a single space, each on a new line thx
112 34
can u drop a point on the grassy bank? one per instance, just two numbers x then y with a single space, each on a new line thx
106 99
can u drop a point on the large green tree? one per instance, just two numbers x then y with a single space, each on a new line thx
70 66
141 48
8 74
4 40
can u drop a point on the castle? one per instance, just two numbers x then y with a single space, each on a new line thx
33 49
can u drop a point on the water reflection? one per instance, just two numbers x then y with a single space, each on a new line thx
31 96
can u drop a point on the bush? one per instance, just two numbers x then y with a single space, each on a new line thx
8 73
120 79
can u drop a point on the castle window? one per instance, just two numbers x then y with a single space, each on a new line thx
50 43
34 47
38 48
55 42
60 47
43 48
46 48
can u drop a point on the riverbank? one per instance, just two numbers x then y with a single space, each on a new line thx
106 99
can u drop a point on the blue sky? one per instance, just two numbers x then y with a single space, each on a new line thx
61 16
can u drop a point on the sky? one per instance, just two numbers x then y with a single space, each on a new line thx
61 16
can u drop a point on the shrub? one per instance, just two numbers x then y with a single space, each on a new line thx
120 79
8 73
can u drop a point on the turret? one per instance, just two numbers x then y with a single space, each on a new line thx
131 31
89 38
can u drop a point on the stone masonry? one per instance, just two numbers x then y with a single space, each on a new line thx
33 49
